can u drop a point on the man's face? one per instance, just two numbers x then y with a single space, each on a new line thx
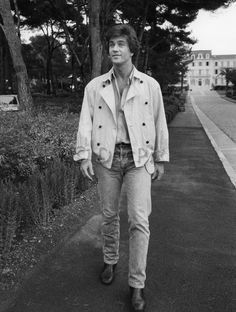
119 51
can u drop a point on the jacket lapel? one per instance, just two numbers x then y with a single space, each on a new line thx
108 96
132 92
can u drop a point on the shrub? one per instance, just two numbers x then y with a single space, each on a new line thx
172 105
30 142
35 202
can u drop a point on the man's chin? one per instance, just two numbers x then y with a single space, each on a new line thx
117 62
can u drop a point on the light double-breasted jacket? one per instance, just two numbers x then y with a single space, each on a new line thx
144 115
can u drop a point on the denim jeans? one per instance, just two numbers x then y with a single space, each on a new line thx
137 183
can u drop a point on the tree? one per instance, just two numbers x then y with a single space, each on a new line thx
231 76
14 44
71 29
36 54
94 30
161 26
226 73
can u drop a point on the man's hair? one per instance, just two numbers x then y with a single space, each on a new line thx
126 31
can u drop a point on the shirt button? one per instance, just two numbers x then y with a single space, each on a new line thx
147 142
100 127
100 107
141 81
144 124
103 86
146 103
98 144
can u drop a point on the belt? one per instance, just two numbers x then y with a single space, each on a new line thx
122 144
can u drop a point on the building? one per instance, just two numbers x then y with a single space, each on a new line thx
204 71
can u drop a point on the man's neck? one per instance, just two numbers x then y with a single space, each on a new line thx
123 71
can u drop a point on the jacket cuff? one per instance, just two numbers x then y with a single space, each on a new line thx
82 155
161 157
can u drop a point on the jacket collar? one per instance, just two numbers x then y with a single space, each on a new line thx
108 76
107 89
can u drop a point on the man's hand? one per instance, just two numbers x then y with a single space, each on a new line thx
159 171
86 168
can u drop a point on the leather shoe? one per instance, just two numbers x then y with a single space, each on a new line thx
108 273
137 299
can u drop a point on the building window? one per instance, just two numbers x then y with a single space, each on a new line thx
228 63
207 63
216 71
222 63
193 82
207 71
193 56
199 56
216 81
200 72
200 63
234 64
207 56
207 82
192 63
216 63
199 82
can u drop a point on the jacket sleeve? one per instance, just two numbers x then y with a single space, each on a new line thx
84 134
161 150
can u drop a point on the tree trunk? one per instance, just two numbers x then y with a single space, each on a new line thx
9 29
96 45
140 36
48 76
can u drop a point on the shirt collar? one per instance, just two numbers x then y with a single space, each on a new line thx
134 74
131 76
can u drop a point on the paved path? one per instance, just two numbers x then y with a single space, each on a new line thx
218 117
221 112
192 257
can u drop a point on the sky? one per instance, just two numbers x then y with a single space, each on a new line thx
215 31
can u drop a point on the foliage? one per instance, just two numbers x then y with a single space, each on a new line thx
173 104
27 142
231 76
35 202
36 55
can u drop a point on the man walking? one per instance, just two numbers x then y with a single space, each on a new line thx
123 130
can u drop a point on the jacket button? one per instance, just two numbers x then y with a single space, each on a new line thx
141 81
98 144
103 86
147 142
100 127
144 124
100 107
146 103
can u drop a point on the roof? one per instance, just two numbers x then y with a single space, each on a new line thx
201 51
226 56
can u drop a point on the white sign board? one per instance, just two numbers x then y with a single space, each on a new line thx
9 102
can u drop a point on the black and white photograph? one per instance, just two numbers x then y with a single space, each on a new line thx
117 156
